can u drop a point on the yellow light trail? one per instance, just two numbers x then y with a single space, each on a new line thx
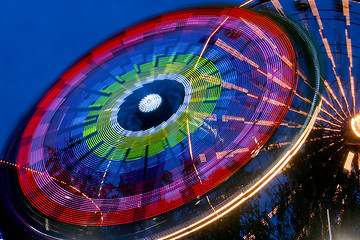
349 158
323 149
208 200
189 140
241 57
102 181
227 85
230 153
261 35
251 191
245 3
336 152
208 40
346 11
202 158
327 86
321 138
328 122
331 106
352 84
315 12
226 118
327 129
299 111
220 43
330 115
303 98
345 4
303 76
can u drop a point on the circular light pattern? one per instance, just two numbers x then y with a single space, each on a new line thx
355 125
161 116
149 103
141 168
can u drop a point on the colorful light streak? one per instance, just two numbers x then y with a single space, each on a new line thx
263 97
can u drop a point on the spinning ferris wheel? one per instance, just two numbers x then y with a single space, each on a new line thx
168 125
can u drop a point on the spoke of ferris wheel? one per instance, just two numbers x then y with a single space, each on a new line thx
328 122
227 85
212 207
319 125
299 111
284 144
315 12
346 11
303 76
291 125
336 152
331 117
245 3
331 100
303 98
331 144
322 149
208 40
332 94
331 106
301 73
327 129
278 7
321 138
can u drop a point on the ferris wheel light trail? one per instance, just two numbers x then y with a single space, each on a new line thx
208 40
328 122
331 106
174 117
328 51
346 11
328 88
328 114
245 3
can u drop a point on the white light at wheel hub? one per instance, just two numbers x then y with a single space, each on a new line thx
150 103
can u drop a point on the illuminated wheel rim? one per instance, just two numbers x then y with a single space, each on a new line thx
159 116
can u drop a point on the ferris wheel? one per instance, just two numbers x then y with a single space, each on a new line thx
168 125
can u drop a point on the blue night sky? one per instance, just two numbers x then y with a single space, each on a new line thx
41 39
